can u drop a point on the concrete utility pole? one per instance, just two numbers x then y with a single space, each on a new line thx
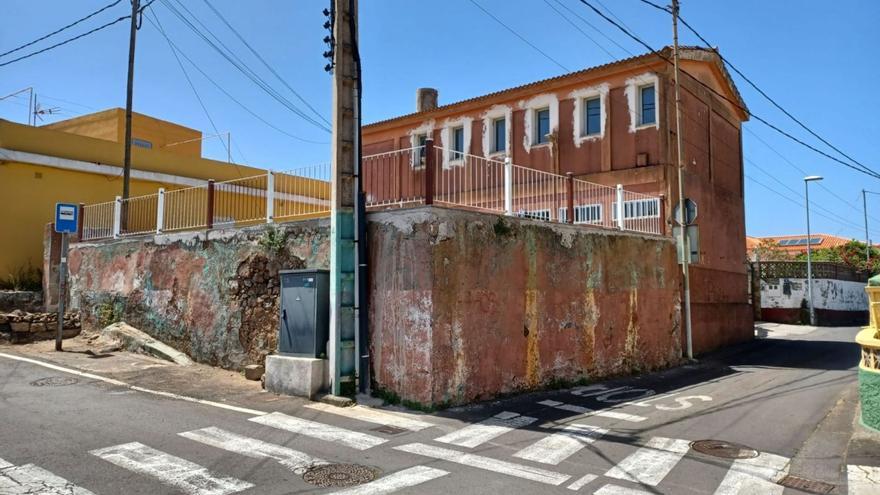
126 163
683 235
807 180
344 195
867 239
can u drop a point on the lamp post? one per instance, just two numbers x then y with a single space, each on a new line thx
807 181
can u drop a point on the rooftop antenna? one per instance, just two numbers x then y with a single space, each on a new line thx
40 111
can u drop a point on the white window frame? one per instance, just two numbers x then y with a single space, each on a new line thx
536 128
542 214
446 139
452 150
579 114
494 114
640 115
563 214
540 102
494 140
634 96
655 201
417 160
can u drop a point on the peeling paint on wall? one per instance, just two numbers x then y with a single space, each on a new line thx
530 106
466 123
632 99
489 117
578 115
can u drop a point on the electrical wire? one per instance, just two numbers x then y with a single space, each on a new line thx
228 94
56 45
53 33
263 61
601 47
240 65
736 104
523 39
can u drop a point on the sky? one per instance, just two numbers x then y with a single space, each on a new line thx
816 59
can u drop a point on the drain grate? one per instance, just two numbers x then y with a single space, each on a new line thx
805 485
339 475
725 450
389 430
54 381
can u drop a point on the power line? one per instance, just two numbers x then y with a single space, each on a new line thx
499 21
864 170
53 33
266 64
56 45
229 95
768 98
240 65
588 23
579 29
192 86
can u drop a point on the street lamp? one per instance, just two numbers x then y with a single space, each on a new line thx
807 181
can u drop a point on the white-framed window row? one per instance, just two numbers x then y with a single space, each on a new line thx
589 214
637 208
534 214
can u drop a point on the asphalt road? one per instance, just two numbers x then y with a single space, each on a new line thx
788 397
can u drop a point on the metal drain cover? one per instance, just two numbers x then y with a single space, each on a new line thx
389 430
339 475
54 381
805 485
725 450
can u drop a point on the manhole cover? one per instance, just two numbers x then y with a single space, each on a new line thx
339 475
805 485
54 381
726 450
389 430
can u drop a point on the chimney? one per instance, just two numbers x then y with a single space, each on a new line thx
426 99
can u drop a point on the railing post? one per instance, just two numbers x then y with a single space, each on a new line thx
117 216
569 196
508 186
209 220
270 196
82 221
429 171
620 209
160 210
661 213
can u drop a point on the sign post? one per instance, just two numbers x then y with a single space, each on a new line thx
66 222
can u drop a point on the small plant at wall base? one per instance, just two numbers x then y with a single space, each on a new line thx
29 278
273 239
108 313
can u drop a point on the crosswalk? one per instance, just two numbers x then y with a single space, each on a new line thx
602 460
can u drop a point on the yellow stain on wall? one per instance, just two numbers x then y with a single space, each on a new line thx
631 348
533 351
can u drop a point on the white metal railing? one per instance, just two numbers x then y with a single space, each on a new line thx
418 175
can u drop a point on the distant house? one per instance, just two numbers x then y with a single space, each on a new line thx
793 245
611 124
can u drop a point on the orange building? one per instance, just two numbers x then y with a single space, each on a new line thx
793 245
615 124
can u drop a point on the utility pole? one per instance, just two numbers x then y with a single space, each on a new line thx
867 239
344 225
126 164
683 235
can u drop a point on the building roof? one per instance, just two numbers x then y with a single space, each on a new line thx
795 244
685 53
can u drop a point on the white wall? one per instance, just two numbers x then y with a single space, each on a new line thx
837 295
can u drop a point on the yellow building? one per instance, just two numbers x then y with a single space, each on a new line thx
80 161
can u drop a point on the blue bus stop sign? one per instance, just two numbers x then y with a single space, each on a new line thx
66 218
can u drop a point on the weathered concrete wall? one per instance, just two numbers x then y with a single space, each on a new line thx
467 306
214 297
837 302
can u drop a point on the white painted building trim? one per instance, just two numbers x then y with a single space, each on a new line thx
427 128
634 105
489 117
579 117
446 139
548 100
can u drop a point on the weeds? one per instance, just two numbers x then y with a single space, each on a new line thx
273 239
29 278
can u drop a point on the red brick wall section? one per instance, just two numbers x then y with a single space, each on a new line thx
468 306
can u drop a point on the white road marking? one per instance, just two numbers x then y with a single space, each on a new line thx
593 412
370 415
582 481
486 463
30 479
619 490
396 481
321 431
756 475
484 431
863 480
252 412
559 446
651 463
296 461
179 473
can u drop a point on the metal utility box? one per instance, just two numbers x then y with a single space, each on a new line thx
304 322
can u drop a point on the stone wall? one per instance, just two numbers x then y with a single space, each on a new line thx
468 306
20 327
214 296
11 300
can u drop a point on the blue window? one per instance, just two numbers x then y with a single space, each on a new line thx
646 97
500 135
593 117
421 139
457 144
542 129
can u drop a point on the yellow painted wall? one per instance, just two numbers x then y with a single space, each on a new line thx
110 125
29 192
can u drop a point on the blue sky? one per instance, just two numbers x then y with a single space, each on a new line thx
817 59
